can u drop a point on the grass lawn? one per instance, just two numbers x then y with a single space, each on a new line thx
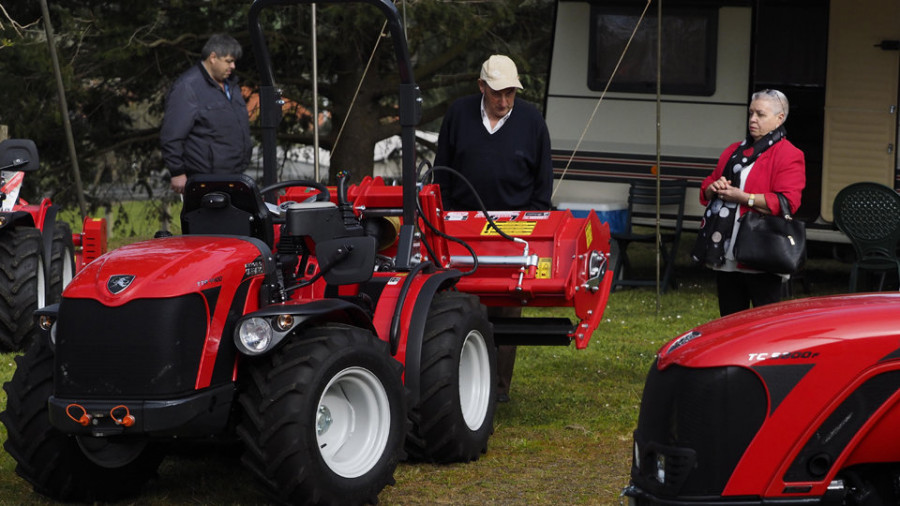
565 438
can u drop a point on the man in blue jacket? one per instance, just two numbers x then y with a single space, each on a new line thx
206 127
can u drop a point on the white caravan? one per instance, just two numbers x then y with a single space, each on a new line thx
837 61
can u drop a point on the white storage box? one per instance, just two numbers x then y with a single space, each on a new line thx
614 213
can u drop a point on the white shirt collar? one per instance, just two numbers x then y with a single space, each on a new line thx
486 121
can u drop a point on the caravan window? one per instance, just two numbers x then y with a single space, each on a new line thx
688 46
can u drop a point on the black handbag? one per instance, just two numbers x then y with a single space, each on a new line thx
771 243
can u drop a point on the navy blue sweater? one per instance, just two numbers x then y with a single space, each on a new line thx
511 169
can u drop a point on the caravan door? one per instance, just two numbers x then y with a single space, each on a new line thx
861 96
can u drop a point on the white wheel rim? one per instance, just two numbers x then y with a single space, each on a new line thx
67 269
353 422
41 284
474 380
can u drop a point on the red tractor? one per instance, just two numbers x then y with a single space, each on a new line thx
795 403
38 254
331 332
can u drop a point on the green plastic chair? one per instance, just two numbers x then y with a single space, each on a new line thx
642 203
869 214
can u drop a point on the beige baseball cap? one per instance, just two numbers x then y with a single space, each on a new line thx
499 72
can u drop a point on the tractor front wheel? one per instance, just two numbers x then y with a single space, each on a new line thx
22 286
324 417
455 415
58 466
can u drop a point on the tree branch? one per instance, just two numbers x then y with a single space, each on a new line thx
15 25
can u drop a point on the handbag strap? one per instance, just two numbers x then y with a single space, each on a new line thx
785 206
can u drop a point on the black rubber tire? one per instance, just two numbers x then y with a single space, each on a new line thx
283 396
22 286
62 262
52 461
871 485
458 344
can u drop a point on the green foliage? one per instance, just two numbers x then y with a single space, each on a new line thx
131 221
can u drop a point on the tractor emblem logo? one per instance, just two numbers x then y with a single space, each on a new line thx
118 283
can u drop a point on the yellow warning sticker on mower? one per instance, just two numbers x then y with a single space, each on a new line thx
510 228
543 268
588 234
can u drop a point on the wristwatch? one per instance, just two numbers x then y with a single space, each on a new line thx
751 200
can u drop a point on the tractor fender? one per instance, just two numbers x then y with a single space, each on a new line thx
16 219
42 217
416 328
307 314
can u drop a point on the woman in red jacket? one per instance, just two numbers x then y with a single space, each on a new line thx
747 178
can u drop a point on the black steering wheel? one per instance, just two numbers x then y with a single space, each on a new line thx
323 196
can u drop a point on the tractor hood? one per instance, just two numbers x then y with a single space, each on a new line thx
812 331
169 267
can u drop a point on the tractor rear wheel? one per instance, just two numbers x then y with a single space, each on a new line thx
455 415
62 262
58 466
22 286
324 417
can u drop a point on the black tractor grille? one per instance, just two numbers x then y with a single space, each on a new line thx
149 348
694 425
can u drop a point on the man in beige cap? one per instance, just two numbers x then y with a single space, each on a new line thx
501 144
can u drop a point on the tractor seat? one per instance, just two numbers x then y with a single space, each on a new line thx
225 204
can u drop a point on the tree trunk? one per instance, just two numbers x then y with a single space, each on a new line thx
354 139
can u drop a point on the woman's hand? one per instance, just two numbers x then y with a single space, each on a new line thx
718 186
724 190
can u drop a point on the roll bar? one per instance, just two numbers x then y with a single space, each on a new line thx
410 103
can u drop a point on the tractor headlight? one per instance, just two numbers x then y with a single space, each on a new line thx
46 319
661 468
255 335
284 322
46 322
48 326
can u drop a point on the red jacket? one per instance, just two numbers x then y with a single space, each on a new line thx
780 168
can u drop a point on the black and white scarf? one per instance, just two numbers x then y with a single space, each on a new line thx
717 225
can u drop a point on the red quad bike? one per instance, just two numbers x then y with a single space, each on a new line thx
38 255
331 333
791 404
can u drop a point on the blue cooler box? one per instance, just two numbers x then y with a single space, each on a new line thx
614 213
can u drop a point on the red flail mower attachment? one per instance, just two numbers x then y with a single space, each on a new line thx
556 260
536 259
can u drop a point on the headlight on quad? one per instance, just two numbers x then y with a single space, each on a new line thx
255 335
